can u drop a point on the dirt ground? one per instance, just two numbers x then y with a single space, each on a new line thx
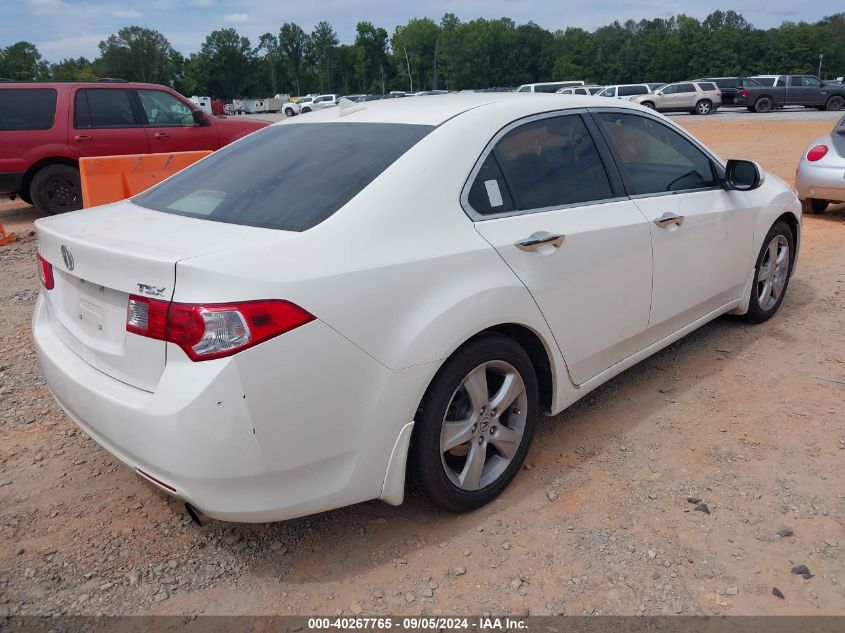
747 418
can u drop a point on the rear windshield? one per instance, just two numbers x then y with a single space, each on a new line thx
29 109
289 177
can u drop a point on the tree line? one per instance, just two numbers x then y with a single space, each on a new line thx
451 54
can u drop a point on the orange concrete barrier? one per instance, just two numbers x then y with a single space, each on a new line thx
111 178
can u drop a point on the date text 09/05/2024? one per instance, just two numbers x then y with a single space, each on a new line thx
417 623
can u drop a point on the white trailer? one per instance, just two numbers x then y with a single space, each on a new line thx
204 103
261 106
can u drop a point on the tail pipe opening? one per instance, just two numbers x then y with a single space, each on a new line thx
196 515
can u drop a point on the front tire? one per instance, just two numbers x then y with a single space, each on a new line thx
56 189
814 205
771 273
704 107
289 112
764 105
834 103
475 425
649 105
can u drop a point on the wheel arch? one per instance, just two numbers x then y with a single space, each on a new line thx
41 164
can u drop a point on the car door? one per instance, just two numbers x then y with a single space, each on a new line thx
814 92
169 124
665 98
702 235
104 122
549 200
686 96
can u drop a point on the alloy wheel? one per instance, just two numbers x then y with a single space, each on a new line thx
484 425
774 270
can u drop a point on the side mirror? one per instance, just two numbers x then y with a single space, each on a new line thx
200 118
743 175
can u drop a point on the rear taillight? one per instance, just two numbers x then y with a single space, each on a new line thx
745 92
718 93
215 330
816 153
45 272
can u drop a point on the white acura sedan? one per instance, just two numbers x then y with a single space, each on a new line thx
269 334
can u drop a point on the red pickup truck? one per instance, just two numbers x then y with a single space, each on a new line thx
45 127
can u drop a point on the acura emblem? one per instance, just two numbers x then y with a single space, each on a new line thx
67 256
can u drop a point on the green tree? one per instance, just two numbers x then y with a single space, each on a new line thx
293 43
22 61
372 65
225 67
138 54
415 48
79 69
323 43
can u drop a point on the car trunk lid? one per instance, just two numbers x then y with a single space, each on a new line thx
102 256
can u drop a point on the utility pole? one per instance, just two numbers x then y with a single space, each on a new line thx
411 79
821 57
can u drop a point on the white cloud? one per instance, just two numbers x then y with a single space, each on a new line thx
70 46
126 13
49 7
202 3
238 18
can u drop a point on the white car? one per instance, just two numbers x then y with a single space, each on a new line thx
819 179
292 108
270 334
625 92
320 102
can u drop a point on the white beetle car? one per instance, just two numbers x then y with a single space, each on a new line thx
267 335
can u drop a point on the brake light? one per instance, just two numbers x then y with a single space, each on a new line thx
745 92
205 332
817 153
718 93
45 272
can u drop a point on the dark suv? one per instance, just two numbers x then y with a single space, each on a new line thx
731 87
45 128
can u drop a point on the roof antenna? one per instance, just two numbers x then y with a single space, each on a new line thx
347 106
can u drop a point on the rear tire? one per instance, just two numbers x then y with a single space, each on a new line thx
763 105
834 103
56 189
704 107
466 448
814 205
305 110
771 273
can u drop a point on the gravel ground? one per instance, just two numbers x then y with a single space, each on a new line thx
606 518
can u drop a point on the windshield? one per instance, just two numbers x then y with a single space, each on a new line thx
266 180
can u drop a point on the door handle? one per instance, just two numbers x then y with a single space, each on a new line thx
538 239
162 136
82 138
668 219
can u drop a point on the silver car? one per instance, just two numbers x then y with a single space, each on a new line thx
820 178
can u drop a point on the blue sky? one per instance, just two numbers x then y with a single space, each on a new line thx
70 28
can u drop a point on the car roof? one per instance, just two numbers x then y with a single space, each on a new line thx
437 111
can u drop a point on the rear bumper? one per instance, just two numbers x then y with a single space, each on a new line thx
303 423
821 181
11 182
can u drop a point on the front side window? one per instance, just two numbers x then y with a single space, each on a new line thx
27 109
163 109
654 158
812 82
103 108
525 89
252 182
766 81
608 92
549 162
669 90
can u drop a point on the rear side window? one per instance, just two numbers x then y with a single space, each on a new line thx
282 177
552 162
707 86
27 109
489 193
655 158
627 91
103 107
686 88
796 81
